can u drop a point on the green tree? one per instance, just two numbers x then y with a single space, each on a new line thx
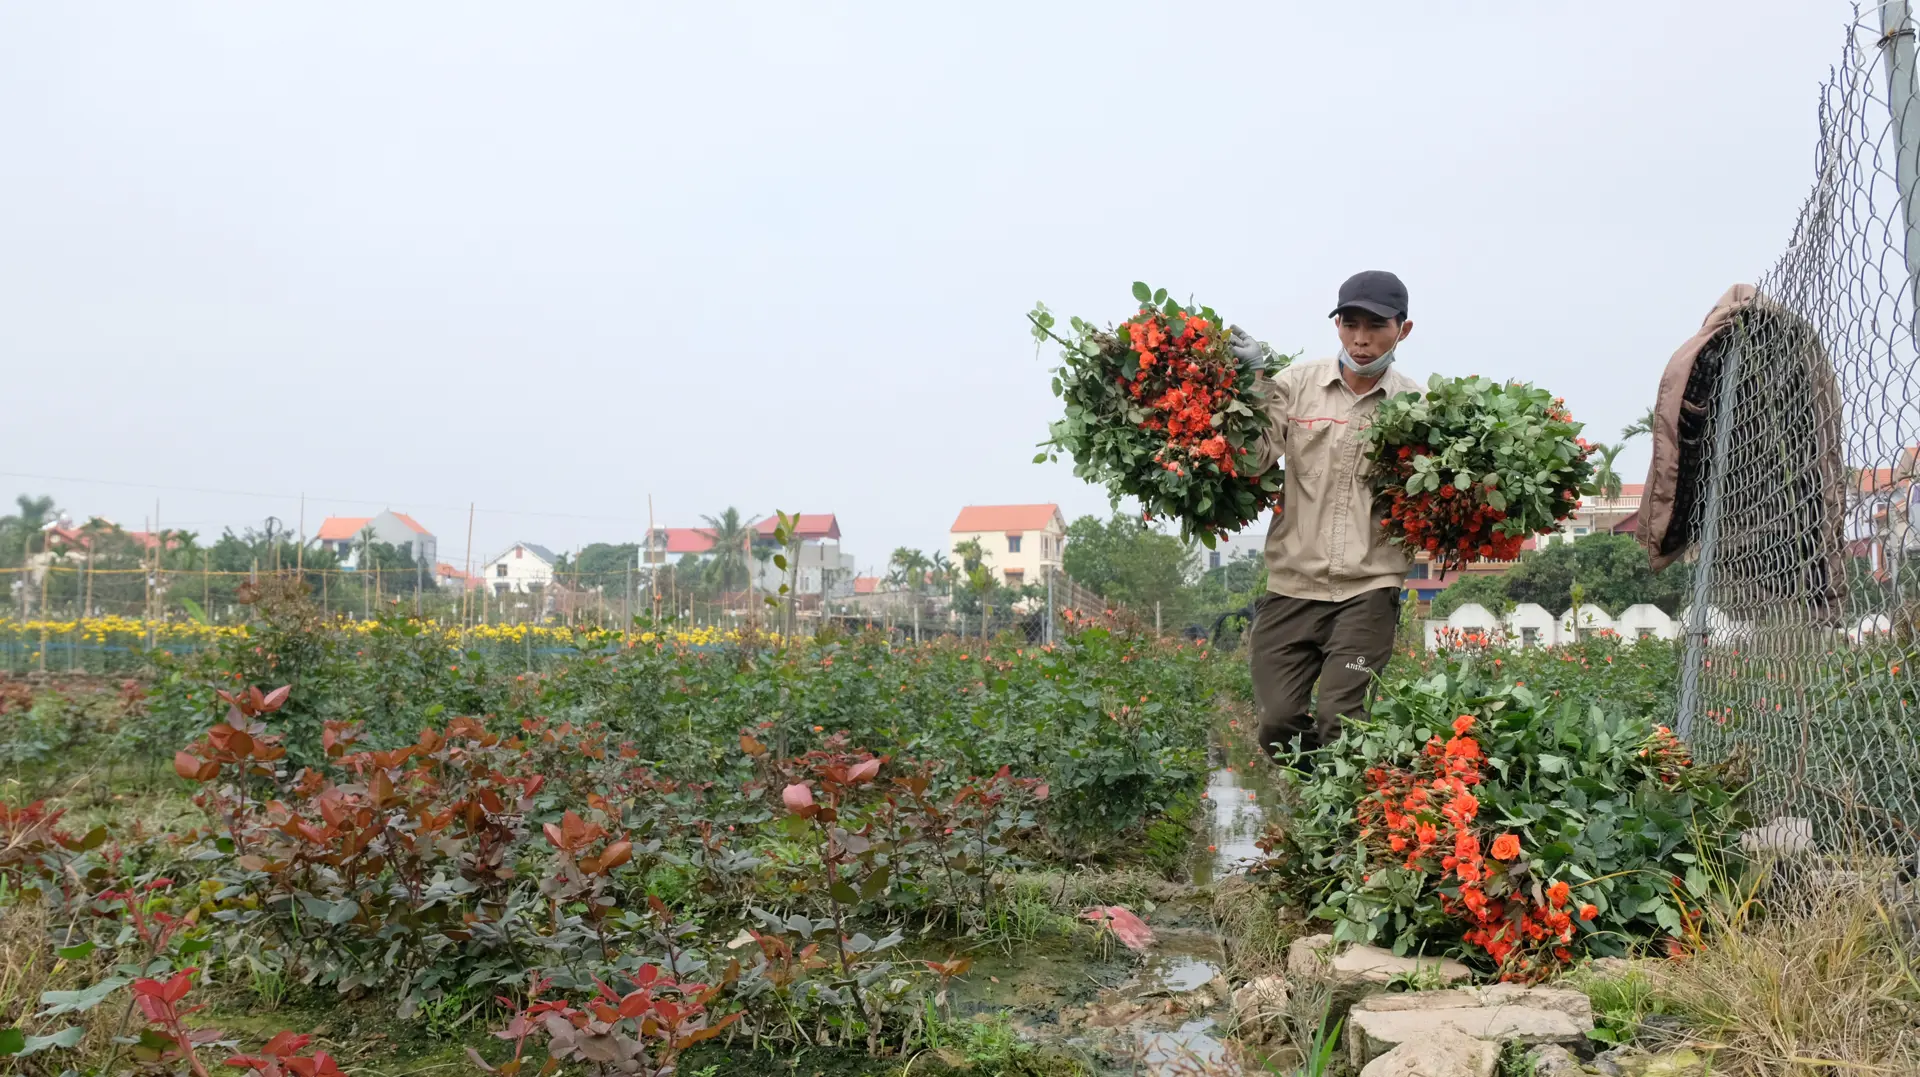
1611 570
727 569
20 531
606 565
975 584
1133 563
1604 475
1489 589
1642 426
908 570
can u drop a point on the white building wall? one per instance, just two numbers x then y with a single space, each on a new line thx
1530 625
815 559
1038 550
516 571
1643 621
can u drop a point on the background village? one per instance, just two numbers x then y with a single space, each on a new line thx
1000 567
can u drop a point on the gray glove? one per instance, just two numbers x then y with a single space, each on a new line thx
1244 347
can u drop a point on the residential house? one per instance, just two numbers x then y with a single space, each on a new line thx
341 536
1022 543
1880 516
1598 515
822 567
75 541
522 568
667 545
452 579
821 561
1250 540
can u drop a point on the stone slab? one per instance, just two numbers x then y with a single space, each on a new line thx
1316 956
1530 1015
1444 1053
1260 1009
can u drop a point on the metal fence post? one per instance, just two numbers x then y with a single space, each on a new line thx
1049 633
1698 627
1896 41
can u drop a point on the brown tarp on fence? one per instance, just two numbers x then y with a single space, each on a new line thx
1782 503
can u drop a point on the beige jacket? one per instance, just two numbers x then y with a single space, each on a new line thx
1326 544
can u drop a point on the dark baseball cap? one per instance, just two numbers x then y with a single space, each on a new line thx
1375 291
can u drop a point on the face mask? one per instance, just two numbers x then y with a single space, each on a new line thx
1371 369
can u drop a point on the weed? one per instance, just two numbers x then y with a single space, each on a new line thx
1422 977
1622 1001
1818 978
1515 1061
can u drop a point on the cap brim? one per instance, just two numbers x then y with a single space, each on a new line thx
1380 310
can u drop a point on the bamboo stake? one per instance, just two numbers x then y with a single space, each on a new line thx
466 585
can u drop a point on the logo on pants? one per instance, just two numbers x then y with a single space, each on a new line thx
1359 665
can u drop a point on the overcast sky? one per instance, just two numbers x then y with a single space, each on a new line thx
552 259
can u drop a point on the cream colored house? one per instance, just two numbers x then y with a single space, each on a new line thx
1022 542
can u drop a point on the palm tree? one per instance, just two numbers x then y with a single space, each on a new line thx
731 536
17 531
942 568
1604 475
911 566
1641 426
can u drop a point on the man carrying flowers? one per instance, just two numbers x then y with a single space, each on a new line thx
1334 581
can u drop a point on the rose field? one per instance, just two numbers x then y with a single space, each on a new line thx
311 847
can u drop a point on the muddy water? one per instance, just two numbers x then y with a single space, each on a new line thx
1236 799
1157 1013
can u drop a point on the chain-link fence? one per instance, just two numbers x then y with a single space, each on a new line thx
1797 485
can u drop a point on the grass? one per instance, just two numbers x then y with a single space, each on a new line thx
1255 926
1804 976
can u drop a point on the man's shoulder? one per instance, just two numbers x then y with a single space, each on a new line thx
1396 383
1308 371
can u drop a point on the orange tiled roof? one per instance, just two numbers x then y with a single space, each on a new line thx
1005 518
688 539
806 525
336 528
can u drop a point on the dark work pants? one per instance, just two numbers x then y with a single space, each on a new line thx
1297 642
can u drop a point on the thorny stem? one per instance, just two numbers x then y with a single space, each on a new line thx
839 937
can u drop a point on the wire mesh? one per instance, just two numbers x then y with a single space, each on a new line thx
1797 485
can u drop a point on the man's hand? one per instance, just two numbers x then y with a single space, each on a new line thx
1244 347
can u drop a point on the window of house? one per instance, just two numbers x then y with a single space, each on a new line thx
1417 572
1529 637
500 569
517 551
1579 530
1013 543
1643 633
1016 577
1213 559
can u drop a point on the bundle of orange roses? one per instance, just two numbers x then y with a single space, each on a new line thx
1473 467
1158 409
1517 827
1427 816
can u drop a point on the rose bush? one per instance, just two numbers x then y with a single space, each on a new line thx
1158 409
